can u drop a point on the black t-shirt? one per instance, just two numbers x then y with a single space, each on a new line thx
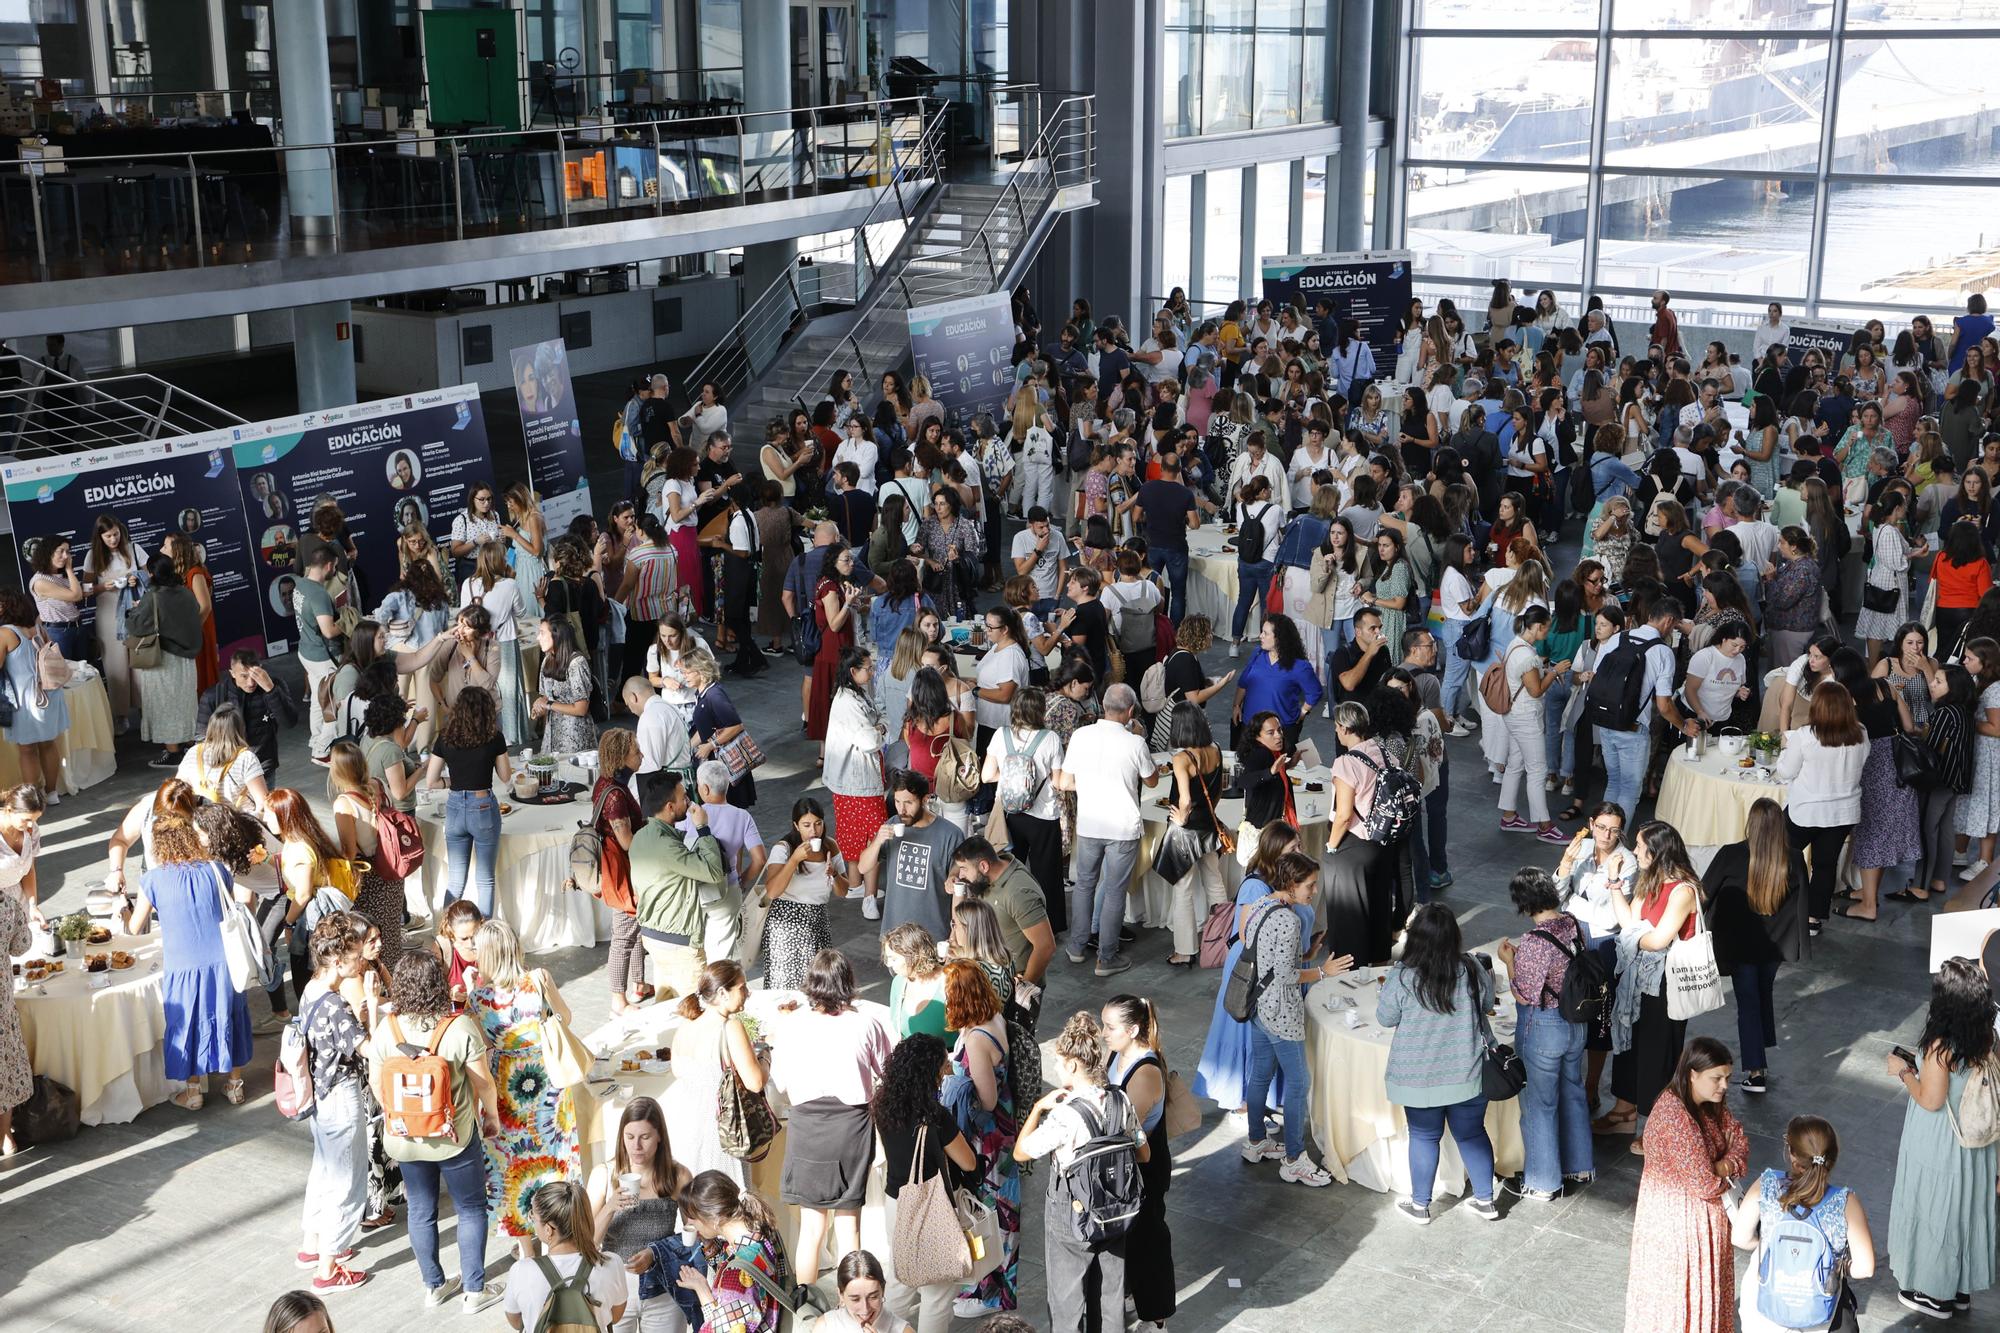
1345 661
1167 505
654 421
581 597
1183 674
1094 624
709 473
471 768
853 512
899 1146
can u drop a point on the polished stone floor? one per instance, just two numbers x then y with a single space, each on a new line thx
186 1220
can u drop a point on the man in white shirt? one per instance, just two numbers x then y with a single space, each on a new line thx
1104 765
1040 554
743 857
1705 399
661 732
859 449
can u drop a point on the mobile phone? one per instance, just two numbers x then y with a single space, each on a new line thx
1905 1055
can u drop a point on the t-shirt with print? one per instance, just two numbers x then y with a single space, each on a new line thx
1108 763
915 867
460 1046
1043 571
310 601
528 1287
1721 676
334 1036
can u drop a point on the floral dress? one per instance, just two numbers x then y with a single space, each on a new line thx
1395 582
537 1139
17 1078
562 733
1683 1270
991 1134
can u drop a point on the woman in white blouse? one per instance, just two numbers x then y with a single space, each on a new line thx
806 871
493 587
852 767
709 414
1822 762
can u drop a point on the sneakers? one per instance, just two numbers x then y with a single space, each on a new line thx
1301 1171
1972 872
1232 650
1924 1305
857 892
1419 1213
1754 1083
1263 1150
1076 959
1440 879
871 908
1516 824
1463 726
342 1278
967 1307
435 1297
269 1025
308 1260
1326 709
165 760
1579 1180
1112 966
1552 835
1484 1209
1518 1187
472 1302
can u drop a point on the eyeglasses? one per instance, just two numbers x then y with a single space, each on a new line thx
1602 827
1594 580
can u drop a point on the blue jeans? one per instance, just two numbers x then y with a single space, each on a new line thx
1337 635
1625 757
1562 739
1097 900
465 1176
1456 668
1468 1129
1174 560
1555 1113
471 824
1252 578
1756 1023
1268 1054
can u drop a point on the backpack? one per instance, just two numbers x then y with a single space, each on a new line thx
1976 1121
805 637
1239 996
1251 539
799 1304
590 848
1582 487
1798 1274
621 438
399 842
1102 1182
957 768
292 1075
211 791
416 1088
570 1308
52 669
1494 690
1398 799
1153 686
1586 991
1136 631
1616 697
1020 783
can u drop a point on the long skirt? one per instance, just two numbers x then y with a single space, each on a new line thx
515 723
1361 906
1149 1245
167 701
793 934
687 559
1892 834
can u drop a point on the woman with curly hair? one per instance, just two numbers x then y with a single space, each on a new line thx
919 1138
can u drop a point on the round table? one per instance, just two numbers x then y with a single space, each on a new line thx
530 877
1362 1135
87 748
1153 899
103 1041
1708 799
1211 579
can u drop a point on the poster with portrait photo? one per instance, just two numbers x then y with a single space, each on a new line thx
552 431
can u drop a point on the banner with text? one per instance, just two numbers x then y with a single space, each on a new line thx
388 464
1831 341
1370 287
965 349
160 486
553 431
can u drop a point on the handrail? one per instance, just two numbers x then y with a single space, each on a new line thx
766 318
1042 151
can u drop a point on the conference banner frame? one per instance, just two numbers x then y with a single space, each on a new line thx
1372 287
552 431
965 348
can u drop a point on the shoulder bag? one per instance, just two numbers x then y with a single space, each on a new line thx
243 948
745 1125
1694 983
1502 1075
564 1055
928 1245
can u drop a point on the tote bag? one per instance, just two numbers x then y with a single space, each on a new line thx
242 947
1694 983
563 1053
929 1245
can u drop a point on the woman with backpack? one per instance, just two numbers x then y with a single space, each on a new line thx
1942 1217
1555 1113
1083 1111
356 798
1801 1204
1435 998
1138 1067
1525 678
1756 894
1261 526
572 1283
1360 909
1021 761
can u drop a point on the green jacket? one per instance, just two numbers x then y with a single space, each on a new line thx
668 876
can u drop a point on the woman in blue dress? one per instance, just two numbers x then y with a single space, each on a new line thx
208 1022
40 719
1225 1058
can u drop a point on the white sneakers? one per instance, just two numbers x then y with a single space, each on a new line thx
1263 1150
871 908
1301 1171
1232 649
1973 871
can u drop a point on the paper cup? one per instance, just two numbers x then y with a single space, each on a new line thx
815 844
628 1181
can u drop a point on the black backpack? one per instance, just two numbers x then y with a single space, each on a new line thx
1587 987
1250 536
1079 450
1616 698
1102 1181
1582 486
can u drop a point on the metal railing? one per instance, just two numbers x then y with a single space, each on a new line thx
45 412
192 209
749 347
715 90
1063 154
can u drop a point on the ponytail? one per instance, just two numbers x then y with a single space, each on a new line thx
714 1198
717 979
562 1206
1811 1150
1140 1013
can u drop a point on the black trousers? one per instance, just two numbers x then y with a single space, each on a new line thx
1641 1074
1823 846
1038 844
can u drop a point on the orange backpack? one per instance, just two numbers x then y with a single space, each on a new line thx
416 1089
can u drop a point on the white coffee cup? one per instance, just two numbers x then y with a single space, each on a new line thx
815 844
897 829
628 1184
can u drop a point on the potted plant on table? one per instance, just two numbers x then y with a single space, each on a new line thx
1764 746
543 769
72 931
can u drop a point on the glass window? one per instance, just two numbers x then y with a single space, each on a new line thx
1887 120
1312 224
1685 102
1277 79
1690 233
1577 14
1177 235
721 28
1274 209
1222 257
1725 15
1524 225
1368 204
1519 99
1921 14
1315 84
1228 83
1181 101
1896 244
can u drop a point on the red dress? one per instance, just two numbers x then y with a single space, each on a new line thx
207 663
1682 1276
832 643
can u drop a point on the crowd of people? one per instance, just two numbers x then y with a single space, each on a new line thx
1003 678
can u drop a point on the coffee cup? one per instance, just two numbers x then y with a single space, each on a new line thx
897 829
815 844
628 1184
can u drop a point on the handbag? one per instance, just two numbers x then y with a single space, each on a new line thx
564 1055
1174 858
745 1125
979 1222
1216 929
929 1243
1181 1113
743 755
142 651
242 946
1475 638
1694 983
1274 595
1880 599
1915 765
1502 1075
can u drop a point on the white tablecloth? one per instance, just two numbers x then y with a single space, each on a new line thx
530 876
1361 1134
104 1043
1211 582
1708 800
87 747
1152 900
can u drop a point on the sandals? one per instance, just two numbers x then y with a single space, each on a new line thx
1615 1123
1574 812
1906 896
189 1099
1841 910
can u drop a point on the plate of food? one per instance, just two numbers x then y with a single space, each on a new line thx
1227 549
506 809
100 935
97 962
122 961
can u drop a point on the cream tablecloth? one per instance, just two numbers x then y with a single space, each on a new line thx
1706 800
1211 582
529 882
1361 1134
87 747
104 1043
1151 902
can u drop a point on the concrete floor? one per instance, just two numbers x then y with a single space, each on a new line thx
189 1220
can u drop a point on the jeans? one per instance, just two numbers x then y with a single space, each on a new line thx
337 1185
471 824
1555 1113
1073 1270
1097 900
1938 829
1418 846
1468 1129
1269 1054
1435 820
1252 578
1561 739
1625 756
1174 560
1456 668
465 1176
1756 1023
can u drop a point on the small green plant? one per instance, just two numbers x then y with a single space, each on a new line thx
74 928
